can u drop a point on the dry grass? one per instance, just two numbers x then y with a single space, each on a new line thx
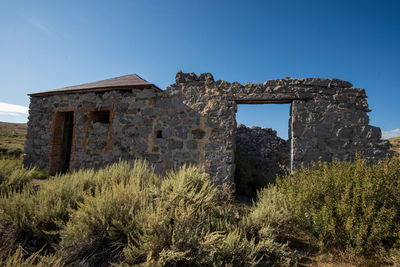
12 138
395 144
127 215
145 219
16 128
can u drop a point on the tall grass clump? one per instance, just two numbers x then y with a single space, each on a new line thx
13 176
35 217
36 259
270 215
99 225
348 206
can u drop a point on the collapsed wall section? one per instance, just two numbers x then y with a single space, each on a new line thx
268 150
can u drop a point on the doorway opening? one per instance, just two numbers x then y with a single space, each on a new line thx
60 156
262 145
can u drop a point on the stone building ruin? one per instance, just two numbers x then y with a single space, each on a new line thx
192 121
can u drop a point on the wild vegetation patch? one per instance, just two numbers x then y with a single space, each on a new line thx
12 138
125 214
395 144
348 206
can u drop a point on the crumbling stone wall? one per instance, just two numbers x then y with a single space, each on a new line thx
328 118
193 121
264 146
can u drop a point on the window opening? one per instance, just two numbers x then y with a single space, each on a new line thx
102 116
159 134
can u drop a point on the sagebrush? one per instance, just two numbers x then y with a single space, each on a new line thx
352 206
125 214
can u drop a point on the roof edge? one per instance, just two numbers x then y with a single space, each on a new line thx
97 89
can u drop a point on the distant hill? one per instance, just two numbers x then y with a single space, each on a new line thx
12 138
395 144
18 128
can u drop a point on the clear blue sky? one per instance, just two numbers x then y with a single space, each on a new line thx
52 44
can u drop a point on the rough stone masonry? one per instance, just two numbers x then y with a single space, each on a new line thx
269 151
192 121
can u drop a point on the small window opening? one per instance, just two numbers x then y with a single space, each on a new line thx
102 116
159 134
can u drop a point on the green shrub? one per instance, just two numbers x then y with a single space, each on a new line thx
41 175
270 215
393 257
347 206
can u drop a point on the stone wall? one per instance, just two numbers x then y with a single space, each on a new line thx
328 117
193 121
145 123
264 146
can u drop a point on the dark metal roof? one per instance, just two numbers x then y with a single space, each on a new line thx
122 83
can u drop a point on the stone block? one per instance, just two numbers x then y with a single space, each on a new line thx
206 77
181 132
139 145
163 103
339 83
368 132
316 82
198 134
191 144
167 132
213 146
145 130
181 156
146 93
132 130
147 111
166 155
135 105
344 132
358 117
174 144
317 155
152 157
